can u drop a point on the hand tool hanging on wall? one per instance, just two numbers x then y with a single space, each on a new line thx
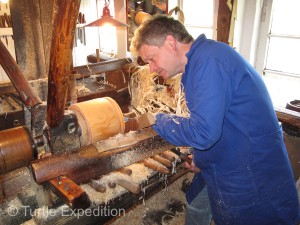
80 30
7 19
2 18
83 40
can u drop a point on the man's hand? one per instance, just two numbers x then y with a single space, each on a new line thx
146 120
191 166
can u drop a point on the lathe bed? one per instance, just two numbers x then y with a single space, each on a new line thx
112 196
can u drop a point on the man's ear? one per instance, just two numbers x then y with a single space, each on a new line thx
171 41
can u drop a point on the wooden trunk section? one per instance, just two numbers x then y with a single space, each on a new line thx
64 23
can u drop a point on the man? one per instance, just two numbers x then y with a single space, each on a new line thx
237 140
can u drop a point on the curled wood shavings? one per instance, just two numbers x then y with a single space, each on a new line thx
81 89
105 82
149 96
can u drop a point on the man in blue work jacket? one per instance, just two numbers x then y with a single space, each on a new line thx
237 140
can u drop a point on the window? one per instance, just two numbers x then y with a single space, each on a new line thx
279 49
199 16
88 39
284 38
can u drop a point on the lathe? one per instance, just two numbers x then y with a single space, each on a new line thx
96 157
109 165
79 158
73 147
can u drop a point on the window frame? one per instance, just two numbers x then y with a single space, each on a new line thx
282 86
215 14
264 39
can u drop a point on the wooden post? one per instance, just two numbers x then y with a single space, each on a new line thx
65 14
224 20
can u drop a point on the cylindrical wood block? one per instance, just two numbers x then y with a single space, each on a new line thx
17 149
99 119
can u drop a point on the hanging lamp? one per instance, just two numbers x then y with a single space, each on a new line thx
106 19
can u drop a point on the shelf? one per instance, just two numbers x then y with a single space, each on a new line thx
79 25
6 31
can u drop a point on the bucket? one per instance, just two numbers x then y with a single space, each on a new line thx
98 119
292 131
293 105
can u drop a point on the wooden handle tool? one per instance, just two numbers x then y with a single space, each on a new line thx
168 156
152 164
128 184
162 160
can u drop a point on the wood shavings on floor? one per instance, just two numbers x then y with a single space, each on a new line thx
167 207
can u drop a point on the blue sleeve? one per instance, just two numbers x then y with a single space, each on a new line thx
207 92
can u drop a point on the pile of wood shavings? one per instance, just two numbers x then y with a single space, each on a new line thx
105 82
140 174
149 96
81 89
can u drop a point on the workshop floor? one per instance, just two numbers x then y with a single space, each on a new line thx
167 207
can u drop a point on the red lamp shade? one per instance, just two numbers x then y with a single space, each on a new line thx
106 19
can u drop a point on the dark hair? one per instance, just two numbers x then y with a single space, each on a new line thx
154 31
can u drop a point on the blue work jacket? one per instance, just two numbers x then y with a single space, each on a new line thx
237 140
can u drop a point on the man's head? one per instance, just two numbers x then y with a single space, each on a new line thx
159 41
